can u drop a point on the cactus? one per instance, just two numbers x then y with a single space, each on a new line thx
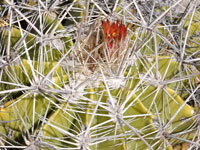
76 76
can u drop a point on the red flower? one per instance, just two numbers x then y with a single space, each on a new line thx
114 33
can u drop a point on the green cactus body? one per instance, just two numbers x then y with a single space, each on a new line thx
50 99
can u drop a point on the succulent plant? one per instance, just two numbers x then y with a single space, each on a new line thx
96 75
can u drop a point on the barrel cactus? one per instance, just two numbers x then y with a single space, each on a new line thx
99 75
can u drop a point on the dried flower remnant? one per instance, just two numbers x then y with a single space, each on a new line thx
3 23
114 34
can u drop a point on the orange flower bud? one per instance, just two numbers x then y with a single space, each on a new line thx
114 33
